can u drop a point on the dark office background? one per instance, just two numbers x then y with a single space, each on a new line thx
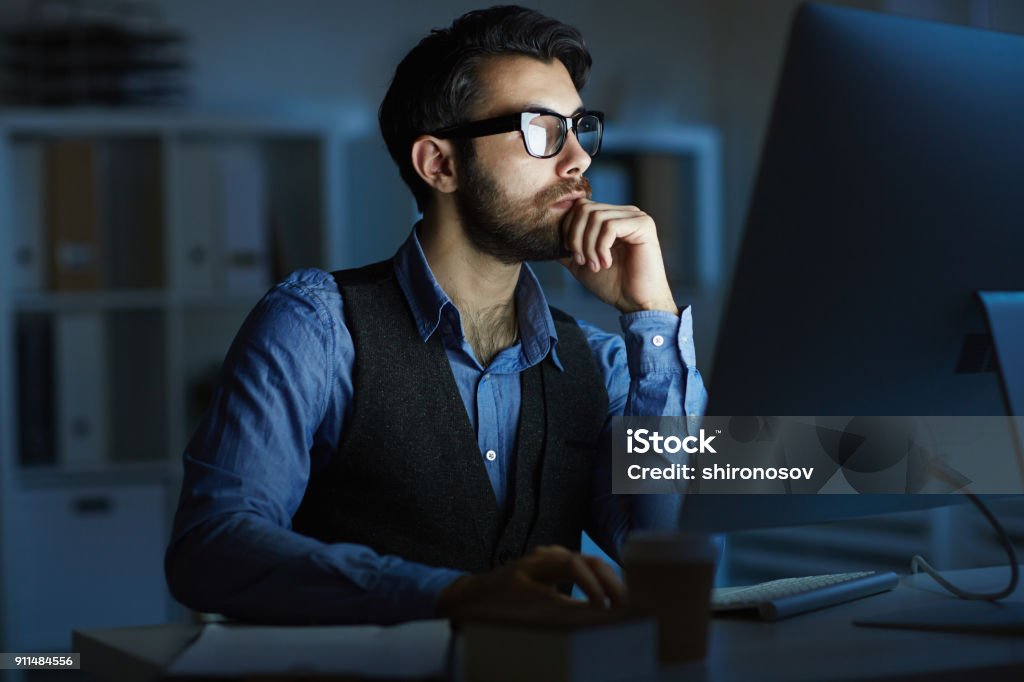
708 63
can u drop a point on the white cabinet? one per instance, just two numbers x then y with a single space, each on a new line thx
84 557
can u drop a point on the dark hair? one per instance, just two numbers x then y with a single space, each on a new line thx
436 84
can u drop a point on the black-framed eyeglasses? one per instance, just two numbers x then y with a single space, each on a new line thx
543 131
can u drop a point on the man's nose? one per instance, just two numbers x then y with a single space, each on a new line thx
573 160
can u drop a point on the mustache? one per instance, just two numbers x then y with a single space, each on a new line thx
556 192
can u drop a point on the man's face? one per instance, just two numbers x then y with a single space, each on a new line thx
512 204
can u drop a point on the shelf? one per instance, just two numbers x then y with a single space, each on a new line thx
106 473
220 300
100 300
98 121
126 300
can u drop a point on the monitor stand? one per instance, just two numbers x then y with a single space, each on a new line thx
1005 313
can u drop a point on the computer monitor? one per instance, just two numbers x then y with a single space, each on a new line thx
889 194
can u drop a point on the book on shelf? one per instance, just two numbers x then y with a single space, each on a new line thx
244 210
224 218
74 233
29 259
34 353
558 642
131 213
82 373
198 222
87 214
137 387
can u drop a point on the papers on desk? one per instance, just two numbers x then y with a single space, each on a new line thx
417 650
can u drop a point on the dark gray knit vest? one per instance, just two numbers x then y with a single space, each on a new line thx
409 479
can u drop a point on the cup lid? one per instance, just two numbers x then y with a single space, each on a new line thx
671 546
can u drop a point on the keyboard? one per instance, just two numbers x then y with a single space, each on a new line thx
780 599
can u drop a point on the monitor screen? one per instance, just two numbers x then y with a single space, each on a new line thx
888 195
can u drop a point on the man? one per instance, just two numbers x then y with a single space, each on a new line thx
421 435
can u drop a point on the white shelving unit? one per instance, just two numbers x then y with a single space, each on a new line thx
82 536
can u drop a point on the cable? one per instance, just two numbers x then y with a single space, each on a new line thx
918 562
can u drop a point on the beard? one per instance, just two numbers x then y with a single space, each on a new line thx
511 230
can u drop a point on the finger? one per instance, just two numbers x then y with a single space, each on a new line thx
605 239
576 221
556 567
587 580
550 553
530 587
595 224
558 550
548 564
522 590
603 229
574 226
611 585
610 581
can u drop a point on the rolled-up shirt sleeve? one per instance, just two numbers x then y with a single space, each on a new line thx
649 371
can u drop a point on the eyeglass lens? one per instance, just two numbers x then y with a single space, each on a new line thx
545 134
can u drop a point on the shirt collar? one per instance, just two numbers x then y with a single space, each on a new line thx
427 301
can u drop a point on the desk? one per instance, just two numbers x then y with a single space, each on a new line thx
824 645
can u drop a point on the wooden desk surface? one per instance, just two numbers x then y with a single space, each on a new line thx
823 645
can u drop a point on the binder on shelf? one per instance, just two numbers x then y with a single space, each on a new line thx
82 374
137 387
199 225
34 349
243 193
28 257
73 216
132 213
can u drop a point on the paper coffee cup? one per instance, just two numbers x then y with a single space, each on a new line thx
670 576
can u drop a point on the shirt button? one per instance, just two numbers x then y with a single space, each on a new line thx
658 340
491 455
684 339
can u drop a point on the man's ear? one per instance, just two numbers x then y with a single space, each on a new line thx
433 160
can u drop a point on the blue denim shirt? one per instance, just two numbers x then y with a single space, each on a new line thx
281 408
